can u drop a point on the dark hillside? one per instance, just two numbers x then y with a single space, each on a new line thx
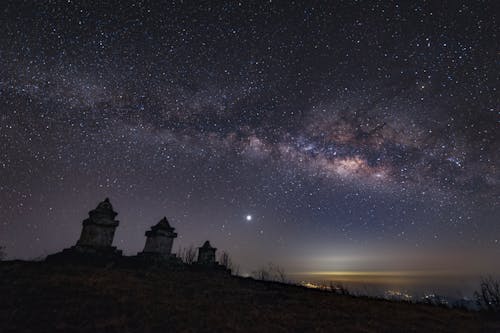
42 297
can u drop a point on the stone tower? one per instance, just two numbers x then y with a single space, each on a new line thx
206 254
99 228
96 239
159 240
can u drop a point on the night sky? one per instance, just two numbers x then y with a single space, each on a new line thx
321 136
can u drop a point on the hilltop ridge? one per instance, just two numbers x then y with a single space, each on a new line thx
53 297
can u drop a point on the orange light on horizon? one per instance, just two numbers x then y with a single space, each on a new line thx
377 273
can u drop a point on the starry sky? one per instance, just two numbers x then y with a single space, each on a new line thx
321 136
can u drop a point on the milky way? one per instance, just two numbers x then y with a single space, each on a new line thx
340 127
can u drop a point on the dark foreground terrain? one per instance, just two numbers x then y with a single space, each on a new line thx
41 297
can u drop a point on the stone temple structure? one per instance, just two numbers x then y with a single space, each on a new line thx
97 235
206 254
95 245
99 229
159 240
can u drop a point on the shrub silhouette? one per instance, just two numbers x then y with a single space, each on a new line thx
188 254
270 273
488 297
225 260
339 289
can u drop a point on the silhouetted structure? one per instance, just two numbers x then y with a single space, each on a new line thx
95 245
99 229
160 240
206 254
96 238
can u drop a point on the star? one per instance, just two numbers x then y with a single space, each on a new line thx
325 126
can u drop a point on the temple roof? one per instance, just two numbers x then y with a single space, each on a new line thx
103 209
207 246
105 205
163 225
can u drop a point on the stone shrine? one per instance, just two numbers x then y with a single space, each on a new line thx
206 255
96 238
159 240
95 246
99 229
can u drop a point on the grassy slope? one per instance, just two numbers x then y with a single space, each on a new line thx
39 297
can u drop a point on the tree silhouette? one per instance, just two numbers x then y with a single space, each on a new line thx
188 254
488 297
225 260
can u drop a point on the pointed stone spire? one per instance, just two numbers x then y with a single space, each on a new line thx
99 228
206 254
160 239
162 225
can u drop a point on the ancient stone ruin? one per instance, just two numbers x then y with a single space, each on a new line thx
99 229
159 240
206 254
96 239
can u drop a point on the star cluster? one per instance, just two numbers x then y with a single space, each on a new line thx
340 126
